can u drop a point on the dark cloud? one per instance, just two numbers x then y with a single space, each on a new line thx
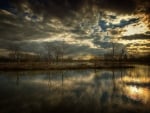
143 7
114 32
26 20
48 8
135 47
75 49
19 32
14 28
69 8
63 7
108 45
112 17
146 44
40 48
145 49
5 4
105 44
120 6
137 37
148 32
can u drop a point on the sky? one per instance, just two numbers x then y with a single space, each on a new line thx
83 28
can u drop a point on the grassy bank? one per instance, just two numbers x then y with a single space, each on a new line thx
60 66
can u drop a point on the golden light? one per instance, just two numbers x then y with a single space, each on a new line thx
135 29
135 79
137 93
134 91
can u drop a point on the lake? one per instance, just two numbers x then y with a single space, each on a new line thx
76 91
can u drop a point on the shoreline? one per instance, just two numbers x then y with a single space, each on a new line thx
62 66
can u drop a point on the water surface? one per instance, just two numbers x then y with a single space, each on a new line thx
76 91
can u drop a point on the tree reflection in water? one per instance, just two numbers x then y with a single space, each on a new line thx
75 91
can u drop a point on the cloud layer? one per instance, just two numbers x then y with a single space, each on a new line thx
90 26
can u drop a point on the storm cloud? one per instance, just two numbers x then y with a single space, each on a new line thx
87 25
137 37
64 7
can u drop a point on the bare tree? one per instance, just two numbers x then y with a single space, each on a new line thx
124 54
49 53
57 52
15 53
53 52
63 50
118 51
113 50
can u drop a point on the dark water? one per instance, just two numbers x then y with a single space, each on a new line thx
76 91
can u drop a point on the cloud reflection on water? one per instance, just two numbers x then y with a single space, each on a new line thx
79 90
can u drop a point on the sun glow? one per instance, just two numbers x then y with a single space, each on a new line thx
133 88
137 93
135 29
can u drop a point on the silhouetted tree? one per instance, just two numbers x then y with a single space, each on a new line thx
123 55
57 52
113 50
15 53
49 53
